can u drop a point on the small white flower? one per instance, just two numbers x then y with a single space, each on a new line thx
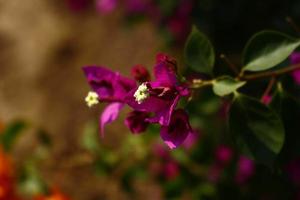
141 94
92 99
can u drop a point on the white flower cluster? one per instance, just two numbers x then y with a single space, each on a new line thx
92 99
141 94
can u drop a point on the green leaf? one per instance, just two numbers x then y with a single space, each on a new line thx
289 109
267 49
257 130
31 182
89 140
44 138
276 102
226 85
8 137
199 53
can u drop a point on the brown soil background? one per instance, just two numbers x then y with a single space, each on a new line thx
43 46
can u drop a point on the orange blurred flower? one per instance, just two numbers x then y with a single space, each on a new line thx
55 195
7 191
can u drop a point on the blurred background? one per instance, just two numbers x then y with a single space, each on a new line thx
45 43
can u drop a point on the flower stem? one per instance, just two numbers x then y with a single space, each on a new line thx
269 73
199 83
269 87
230 64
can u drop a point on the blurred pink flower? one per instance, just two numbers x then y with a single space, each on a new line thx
163 165
223 155
171 170
293 171
245 170
295 59
106 6
191 140
78 5
266 99
160 151
136 6
214 173
179 24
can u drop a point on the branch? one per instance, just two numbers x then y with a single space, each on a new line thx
270 73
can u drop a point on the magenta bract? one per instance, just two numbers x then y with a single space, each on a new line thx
177 131
295 59
165 92
109 85
136 121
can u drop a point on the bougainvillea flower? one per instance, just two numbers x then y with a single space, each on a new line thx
136 121
106 6
295 59
176 132
110 87
245 170
152 101
161 95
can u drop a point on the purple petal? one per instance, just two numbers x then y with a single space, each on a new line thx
110 113
109 85
163 116
165 71
295 59
135 121
191 139
178 129
140 73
